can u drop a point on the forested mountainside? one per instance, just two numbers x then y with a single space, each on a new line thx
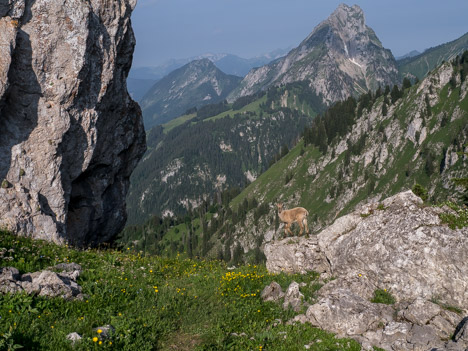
420 65
196 84
357 151
342 57
368 150
220 146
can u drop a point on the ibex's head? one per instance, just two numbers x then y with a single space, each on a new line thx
280 206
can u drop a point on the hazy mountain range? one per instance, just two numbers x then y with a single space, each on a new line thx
341 58
228 63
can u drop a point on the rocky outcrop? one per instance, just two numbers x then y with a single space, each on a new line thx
71 135
43 283
340 58
399 246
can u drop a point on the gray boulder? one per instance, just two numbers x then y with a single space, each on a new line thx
272 292
47 283
74 337
43 283
348 314
293 297
9 277
399 245
296 255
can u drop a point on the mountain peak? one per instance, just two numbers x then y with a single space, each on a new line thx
341 57
195 84
202 62
348 20
344 12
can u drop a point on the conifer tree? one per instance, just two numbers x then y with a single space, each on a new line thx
384 109
395 94
406 83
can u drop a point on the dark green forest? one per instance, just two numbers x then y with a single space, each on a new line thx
205 147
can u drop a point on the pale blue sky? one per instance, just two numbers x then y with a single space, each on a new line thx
184 28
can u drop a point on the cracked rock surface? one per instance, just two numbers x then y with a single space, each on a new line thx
44 283
399 246
70 133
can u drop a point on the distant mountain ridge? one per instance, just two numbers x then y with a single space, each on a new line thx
420 65
412 53
228 63
340 58
196 84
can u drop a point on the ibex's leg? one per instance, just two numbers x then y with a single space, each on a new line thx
306 226
286 229
302 228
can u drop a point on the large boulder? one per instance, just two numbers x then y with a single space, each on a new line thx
399 246
71 134
43 283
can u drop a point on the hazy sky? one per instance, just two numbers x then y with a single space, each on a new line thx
167 29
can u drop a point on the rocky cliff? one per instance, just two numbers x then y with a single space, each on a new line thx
340 58
398 247
71 135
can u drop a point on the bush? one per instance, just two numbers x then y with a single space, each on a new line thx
383 296
420 191
459 219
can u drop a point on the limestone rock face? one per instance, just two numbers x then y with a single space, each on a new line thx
400 246
298 256
70 133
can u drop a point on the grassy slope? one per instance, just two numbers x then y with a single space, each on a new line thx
252 107
177 122
153 304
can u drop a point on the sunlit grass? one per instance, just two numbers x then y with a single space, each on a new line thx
153 303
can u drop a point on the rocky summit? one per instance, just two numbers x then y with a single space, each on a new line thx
398 248
342 57
70 133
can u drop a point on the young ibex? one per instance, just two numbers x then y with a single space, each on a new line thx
297 214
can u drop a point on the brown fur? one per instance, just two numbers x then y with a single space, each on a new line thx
297 214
